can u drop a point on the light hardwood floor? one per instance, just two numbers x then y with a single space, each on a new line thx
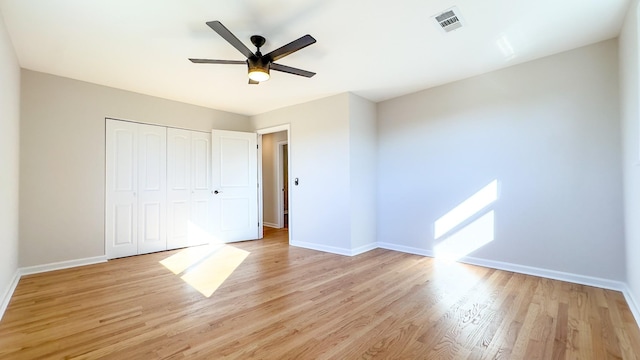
284 302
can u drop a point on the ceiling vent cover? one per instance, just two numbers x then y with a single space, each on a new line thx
449 20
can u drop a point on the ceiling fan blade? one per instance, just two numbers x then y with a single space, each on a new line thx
211 61
292 70
231 39
253 82
291 47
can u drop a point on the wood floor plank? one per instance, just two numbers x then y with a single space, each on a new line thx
284 302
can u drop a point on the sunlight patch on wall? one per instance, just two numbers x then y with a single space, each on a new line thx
465 228
476 202
205 267
468 239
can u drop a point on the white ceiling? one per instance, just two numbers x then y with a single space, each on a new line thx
378 49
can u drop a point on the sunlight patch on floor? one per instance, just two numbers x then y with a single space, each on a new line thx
205 267
188 257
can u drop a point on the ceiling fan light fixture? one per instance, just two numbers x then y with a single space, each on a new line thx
259 65
259 73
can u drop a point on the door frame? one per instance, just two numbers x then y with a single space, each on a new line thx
260 132
280 180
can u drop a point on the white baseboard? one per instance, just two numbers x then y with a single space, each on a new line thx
271 225
549 274
6 297
633 304
406 249
522 269
320 247
363 249
335 250
61 265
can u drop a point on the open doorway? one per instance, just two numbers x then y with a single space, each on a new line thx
274 173
283 183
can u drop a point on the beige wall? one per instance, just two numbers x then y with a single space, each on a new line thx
363 181
270 191
319 205
630 108
331 153
548 131
9 163
62 154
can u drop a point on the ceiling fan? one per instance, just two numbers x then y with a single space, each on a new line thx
259 65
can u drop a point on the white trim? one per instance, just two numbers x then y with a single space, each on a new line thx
549 274
272 225
273 129
522 269
260 189
363 249
6 297
320 247
335 250
62 265
406 249
279 148
633 304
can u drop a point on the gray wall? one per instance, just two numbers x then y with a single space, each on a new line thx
9 159
630 93
548 131
62 159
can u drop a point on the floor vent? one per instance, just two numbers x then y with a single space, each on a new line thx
449 20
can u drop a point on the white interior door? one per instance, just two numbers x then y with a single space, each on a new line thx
121 186
201 228
235 185
178 187
152 188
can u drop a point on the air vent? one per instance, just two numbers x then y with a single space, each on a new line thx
449 20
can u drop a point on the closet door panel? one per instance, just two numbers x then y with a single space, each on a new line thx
201 197
152 177
121 223
178 187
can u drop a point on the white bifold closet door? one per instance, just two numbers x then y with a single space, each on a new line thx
189 198
152 188
135 188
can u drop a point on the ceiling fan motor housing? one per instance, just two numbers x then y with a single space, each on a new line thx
258 68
